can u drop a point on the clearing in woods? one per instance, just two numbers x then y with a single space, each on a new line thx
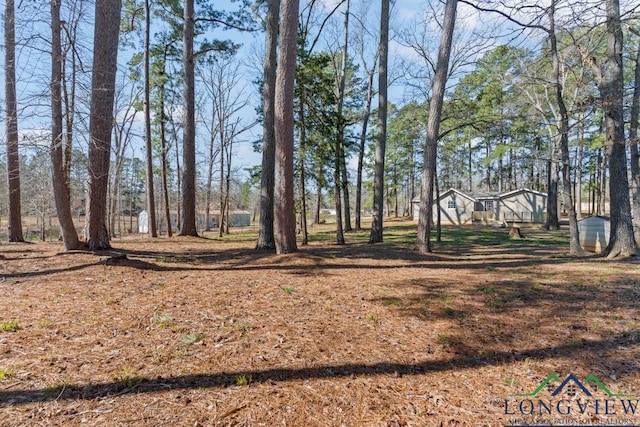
186 331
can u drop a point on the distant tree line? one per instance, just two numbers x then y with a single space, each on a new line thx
543 96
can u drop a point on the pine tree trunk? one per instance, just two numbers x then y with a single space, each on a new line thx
285 219
107 26
13 160
151 204
621 242
266 239
381 140
341 123
189 127
164 162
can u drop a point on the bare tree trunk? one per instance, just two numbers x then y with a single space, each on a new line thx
338 196
223 206
210 163
574 242
552 222
301 173
61 191
579 170
266 240
622 242
107 26
361 149
163 157
381 141
69 97
13 160
227 192
151 204
601 168
423 241
470 167
179 179
633 144
316 217
341 122
189 127
344 182
439 214
285 218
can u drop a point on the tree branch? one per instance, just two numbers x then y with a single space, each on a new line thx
505 15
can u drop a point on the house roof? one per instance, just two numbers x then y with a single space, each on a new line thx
477 197
446 193
521 190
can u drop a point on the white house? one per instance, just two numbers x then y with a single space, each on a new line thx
458 207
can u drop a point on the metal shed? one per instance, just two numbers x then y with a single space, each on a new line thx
594 233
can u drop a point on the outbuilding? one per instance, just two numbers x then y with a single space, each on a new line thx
594 233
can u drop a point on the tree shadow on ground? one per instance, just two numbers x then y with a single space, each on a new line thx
324 257
227 379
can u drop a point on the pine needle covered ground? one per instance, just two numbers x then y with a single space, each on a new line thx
184 331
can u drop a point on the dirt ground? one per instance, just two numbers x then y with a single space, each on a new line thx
206 332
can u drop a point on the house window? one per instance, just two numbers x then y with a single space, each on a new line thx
451 204
488 205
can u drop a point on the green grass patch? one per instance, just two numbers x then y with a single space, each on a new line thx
373 318
243 379
6 373
10 326
43 324
128 377
392 301
189 339
162 319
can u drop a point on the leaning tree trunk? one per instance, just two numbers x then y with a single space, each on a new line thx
363 141
13 160
423 241
574 241
266 240
381 140
285 217
105 59
188 129
61 191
